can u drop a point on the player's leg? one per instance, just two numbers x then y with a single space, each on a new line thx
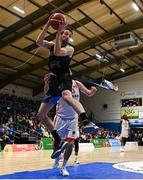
66 85
76 149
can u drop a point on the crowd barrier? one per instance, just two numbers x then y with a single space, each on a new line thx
20 147
84 147
132 145
47 143
105 142
114 142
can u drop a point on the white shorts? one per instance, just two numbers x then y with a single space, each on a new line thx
125 133
67 128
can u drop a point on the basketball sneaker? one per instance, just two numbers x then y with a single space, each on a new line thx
90 128
76 161
64 172
122 149
59 149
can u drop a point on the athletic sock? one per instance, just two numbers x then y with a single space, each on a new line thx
64 163
56 136
84 118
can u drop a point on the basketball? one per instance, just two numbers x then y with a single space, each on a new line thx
56 19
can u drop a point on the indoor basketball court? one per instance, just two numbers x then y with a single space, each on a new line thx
50 51
105 163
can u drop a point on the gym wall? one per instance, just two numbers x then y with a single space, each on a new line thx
105 105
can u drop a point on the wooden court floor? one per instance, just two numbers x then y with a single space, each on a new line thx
11 162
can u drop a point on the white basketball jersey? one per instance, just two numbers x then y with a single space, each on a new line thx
125 128
64 110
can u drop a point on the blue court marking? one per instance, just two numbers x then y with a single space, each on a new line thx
97 170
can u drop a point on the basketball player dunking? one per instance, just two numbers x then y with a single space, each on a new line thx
60 82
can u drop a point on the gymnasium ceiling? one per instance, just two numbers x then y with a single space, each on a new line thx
95 23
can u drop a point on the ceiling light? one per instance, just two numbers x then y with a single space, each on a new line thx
134 5
105 60
18 9
98 56
122 70
130 47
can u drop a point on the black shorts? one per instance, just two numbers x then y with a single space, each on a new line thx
57 84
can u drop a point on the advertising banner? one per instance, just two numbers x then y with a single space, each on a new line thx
131 113
100 142
24 147
114 142
47 143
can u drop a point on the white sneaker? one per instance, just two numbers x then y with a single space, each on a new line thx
122 149
64 172
76 162
90 128
59 149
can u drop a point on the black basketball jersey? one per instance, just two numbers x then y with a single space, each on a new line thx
59 65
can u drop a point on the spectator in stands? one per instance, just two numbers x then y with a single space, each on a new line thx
4 139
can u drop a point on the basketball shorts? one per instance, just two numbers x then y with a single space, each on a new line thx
67 128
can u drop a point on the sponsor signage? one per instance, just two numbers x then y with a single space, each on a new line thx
24 147
131 113
114 142
100 142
